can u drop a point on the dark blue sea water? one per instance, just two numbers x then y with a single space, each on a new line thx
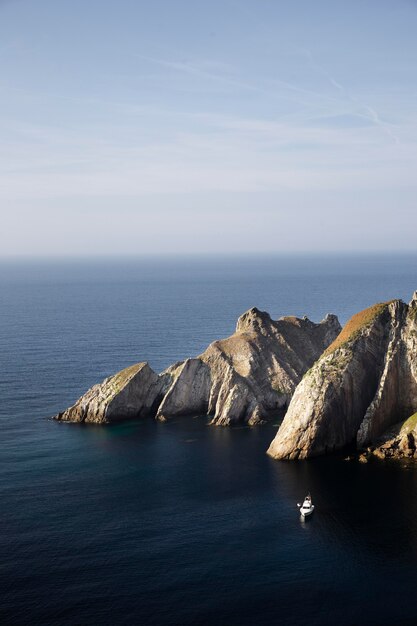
181 523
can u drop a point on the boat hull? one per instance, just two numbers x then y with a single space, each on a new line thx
307 512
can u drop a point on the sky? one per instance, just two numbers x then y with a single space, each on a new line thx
214 127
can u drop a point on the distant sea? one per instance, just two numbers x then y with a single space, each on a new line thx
181 523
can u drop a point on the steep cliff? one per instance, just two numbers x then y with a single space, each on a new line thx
364 382
239 379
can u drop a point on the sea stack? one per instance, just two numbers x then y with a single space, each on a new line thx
239 379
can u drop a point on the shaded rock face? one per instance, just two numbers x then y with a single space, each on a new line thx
364 382
239 379
399 442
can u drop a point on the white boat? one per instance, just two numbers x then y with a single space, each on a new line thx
307 507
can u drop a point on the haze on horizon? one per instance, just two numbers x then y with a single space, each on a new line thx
230 126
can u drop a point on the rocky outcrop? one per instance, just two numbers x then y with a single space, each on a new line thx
187 390
400 442
365 382
256 370
130 393
239 379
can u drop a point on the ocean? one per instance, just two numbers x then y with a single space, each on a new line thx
181 523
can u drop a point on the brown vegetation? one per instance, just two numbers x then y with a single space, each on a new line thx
356 323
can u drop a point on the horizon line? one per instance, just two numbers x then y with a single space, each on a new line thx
208 255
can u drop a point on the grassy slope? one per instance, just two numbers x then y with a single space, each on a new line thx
356 323
409 424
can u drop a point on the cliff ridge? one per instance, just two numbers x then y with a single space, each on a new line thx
242 378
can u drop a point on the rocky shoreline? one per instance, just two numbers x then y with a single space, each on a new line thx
355 386
399 442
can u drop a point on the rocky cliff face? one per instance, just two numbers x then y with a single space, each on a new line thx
130 393
239 379
399 442
365 382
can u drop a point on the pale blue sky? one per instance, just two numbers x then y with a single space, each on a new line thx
230 126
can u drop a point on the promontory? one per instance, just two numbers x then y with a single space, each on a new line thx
243 378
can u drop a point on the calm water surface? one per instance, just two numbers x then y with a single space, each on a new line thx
180 523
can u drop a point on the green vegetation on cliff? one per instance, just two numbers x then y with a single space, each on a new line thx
120 380
409 424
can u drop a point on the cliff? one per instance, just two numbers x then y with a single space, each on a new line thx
363 384
128 394
239 379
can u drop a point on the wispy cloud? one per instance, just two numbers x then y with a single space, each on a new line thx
168 116
340 103
361 109
207 70
226 154
223 74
